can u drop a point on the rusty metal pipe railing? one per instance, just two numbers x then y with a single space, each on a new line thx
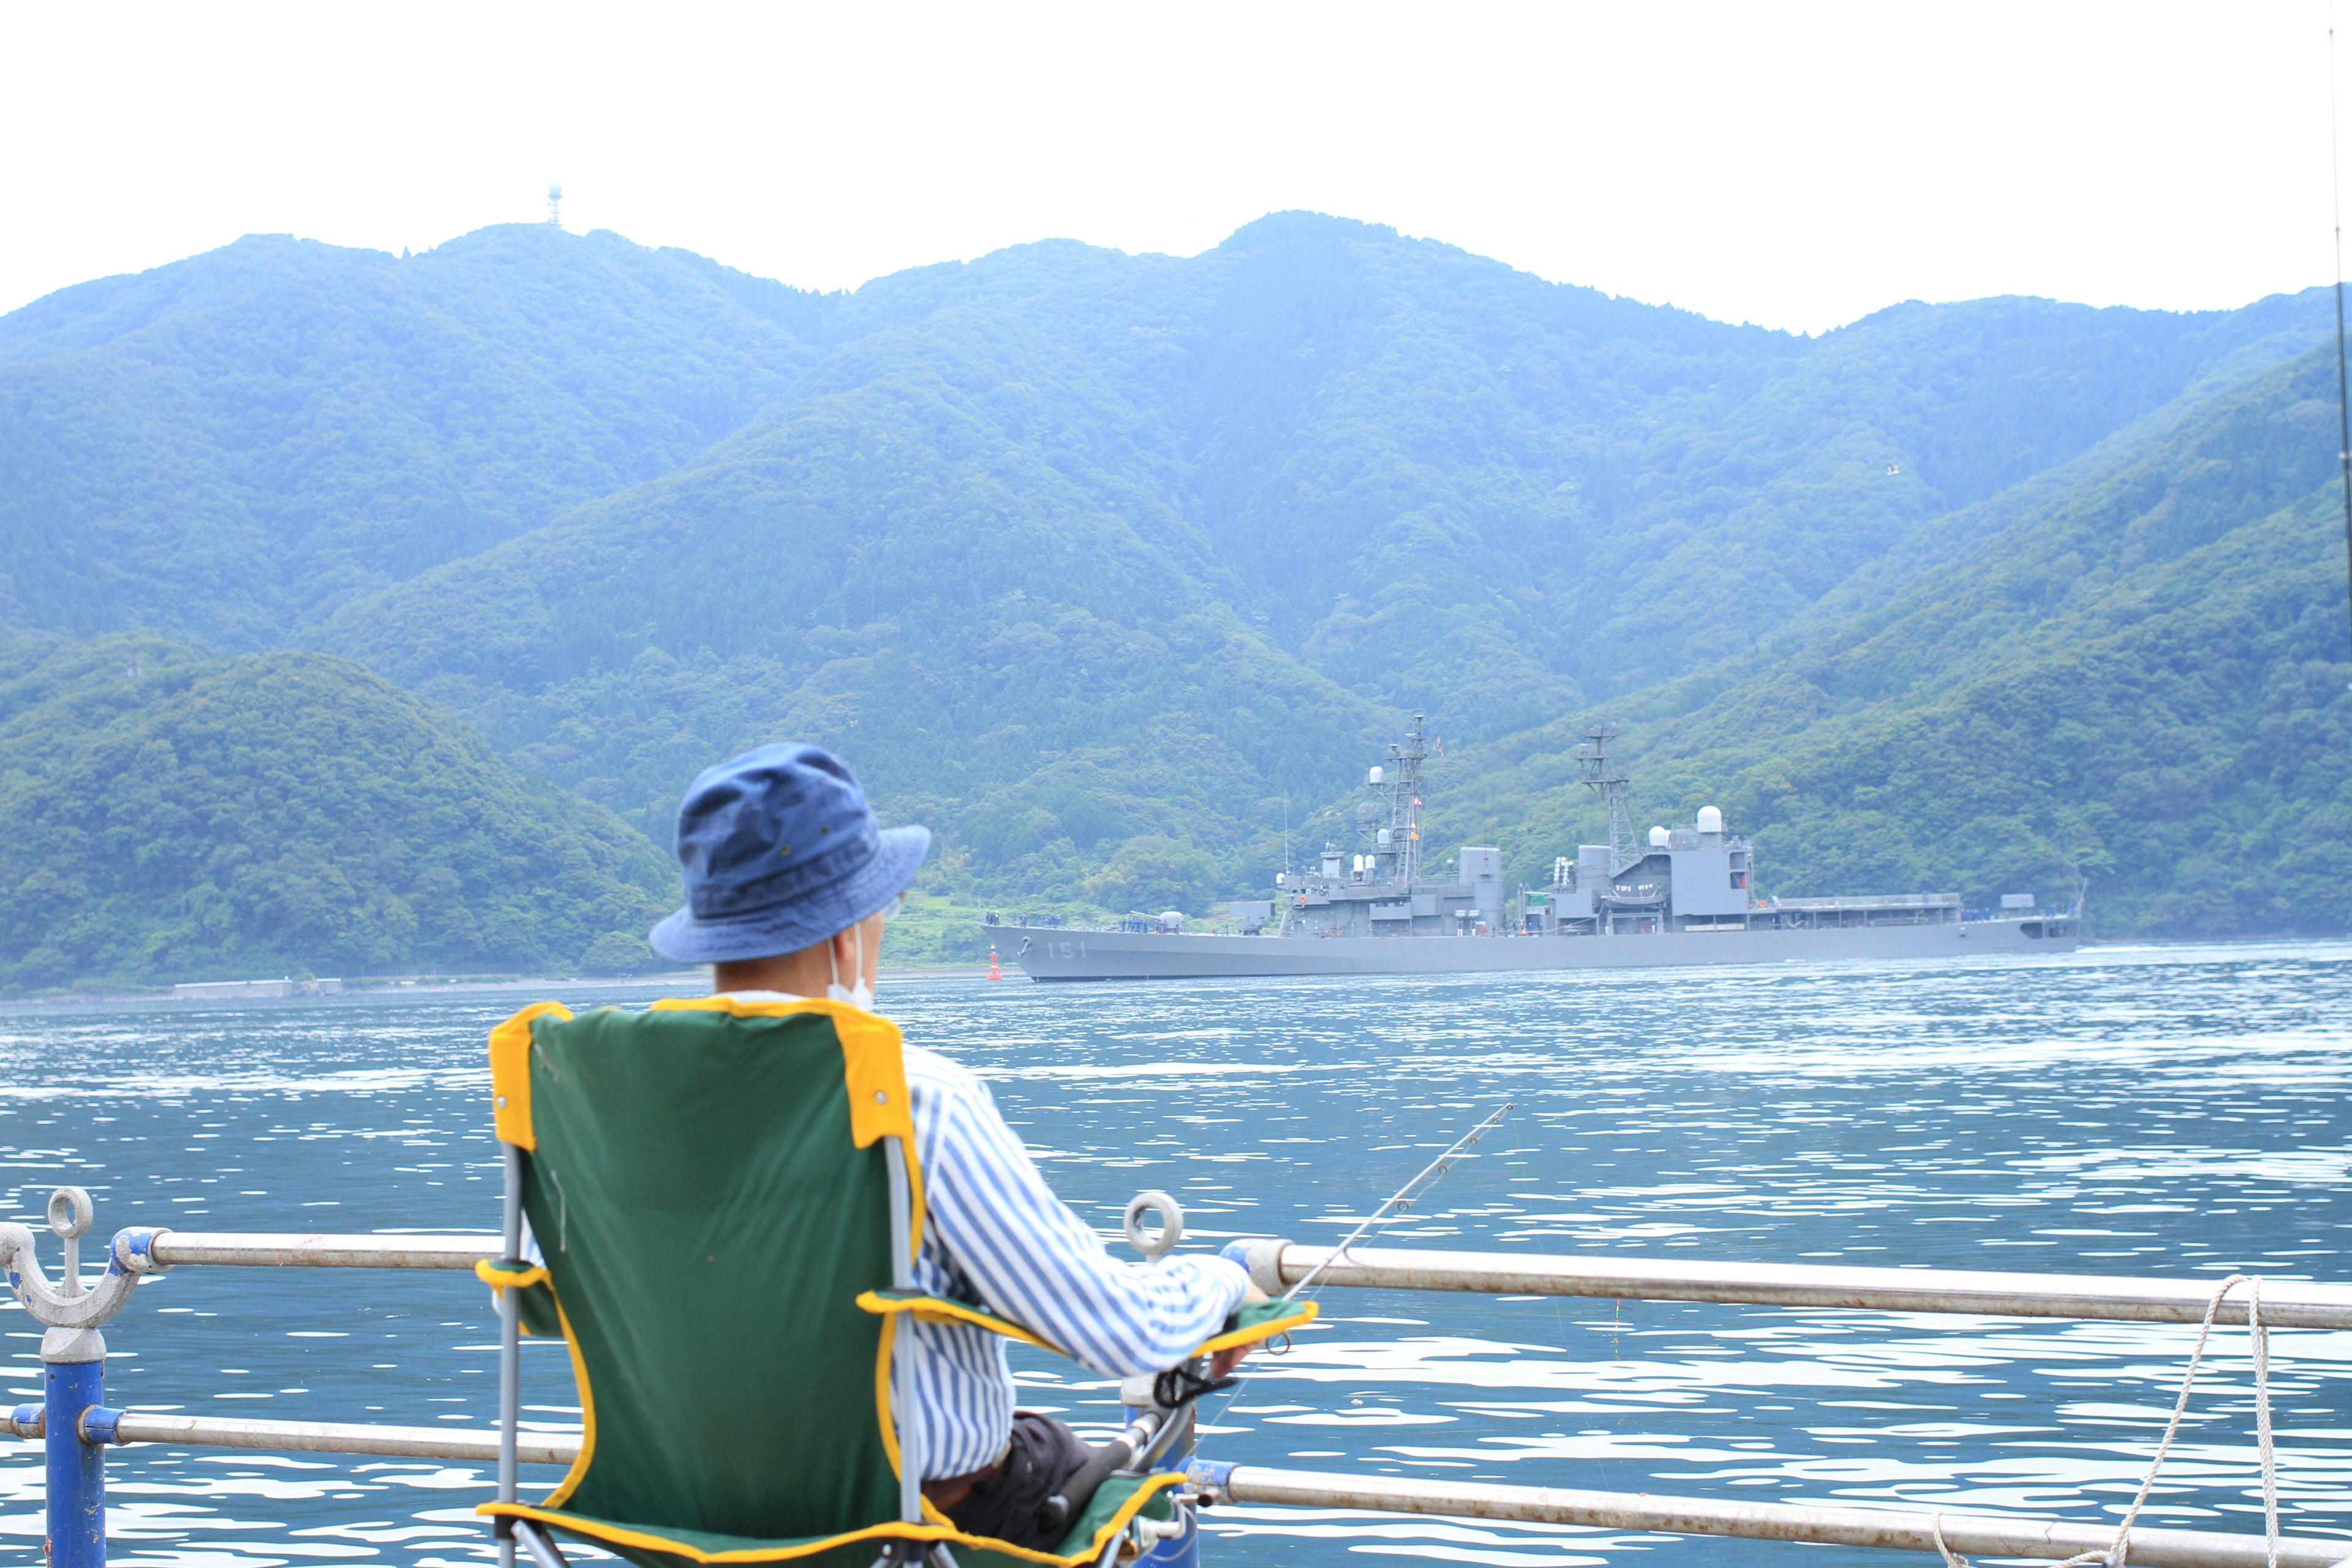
2286 1303
76 1425
1979 1534
276 1249
99 1424
1278 1264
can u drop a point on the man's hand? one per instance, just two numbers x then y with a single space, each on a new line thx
1223 1363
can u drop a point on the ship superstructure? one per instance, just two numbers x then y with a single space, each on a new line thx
1680 896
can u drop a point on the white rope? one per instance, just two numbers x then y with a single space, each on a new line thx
1952 1558
2263 1417
2117 1553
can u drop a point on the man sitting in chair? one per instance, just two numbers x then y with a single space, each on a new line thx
789 883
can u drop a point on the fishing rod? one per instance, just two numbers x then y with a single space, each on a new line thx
1398 1201
1404 1196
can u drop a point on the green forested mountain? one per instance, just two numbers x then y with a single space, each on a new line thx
229 446
170 814
2140 681
1102 563
1144 549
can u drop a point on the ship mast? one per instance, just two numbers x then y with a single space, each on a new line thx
1399 783
1609 783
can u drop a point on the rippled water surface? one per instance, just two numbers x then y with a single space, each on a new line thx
2178 1112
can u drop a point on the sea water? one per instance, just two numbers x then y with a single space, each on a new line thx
2160 1111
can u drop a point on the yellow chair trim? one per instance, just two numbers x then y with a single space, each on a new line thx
488 1271
874 1066
1258 1333
621 1535
939 1309
887 1420
510 1072
571 1478
882 1394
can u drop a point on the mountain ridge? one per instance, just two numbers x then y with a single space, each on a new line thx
1104 565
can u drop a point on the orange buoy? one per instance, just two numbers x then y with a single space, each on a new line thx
995 970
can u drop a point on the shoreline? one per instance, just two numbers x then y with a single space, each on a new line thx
697 981
680 983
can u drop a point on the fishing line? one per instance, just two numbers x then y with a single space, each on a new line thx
1398 1203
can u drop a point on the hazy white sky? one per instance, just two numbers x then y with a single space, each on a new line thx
1796 165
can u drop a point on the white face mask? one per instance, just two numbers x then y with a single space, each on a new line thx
860 995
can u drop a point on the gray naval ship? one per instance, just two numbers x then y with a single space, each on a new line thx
1687 896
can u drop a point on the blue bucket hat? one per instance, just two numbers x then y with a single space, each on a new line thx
780 851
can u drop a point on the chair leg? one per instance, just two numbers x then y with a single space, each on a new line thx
510 1347
910 1553
904 1415
542 1550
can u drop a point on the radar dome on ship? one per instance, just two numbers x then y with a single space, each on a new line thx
1710 820
1658 838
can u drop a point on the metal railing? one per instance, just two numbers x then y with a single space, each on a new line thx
1278 1264
269 1250
75 1425
1985 1534
300 1436
1991 1536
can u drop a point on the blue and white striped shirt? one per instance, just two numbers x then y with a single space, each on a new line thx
993 1232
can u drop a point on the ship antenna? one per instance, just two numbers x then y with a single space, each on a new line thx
1408 797
1609 783
2343 398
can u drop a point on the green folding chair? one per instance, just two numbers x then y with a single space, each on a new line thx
729 1205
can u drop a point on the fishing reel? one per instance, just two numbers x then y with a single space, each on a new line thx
1160 1416
1178 1386
1171 1224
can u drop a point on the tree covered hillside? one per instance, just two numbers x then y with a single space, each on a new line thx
2141 681
1105 574
168 814
229 446
918 568
1102 563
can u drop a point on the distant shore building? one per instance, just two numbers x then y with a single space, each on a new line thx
214 990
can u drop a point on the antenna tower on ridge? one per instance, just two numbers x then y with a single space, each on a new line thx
555 207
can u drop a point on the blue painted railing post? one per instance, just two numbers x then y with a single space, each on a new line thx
1176 1552
76 1425
74 1364
1180 1551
